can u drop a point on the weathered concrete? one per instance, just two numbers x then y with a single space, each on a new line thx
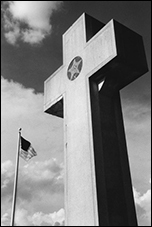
98 188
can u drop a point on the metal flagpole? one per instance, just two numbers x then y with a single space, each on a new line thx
15 182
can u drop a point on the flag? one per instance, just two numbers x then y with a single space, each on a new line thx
26 150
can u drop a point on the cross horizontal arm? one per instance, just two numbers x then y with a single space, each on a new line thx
118 53
54 88
100 49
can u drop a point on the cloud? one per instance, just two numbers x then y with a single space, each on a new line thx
137 121
21 218
144 202
7 173
21 98
12 36
40 187
6 166
24 218
21 107
28 21
32 36
52 218
40 182
5 220
34 178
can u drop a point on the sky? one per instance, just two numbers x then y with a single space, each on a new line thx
31 50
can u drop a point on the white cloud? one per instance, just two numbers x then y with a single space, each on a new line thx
34 178
40 187
23 218
137 118
144 202
43 170
28 20
40 183
21 107
5 219
7 172
32 36
6 167
12 36
137 121
21 99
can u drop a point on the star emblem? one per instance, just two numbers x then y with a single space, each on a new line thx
74 68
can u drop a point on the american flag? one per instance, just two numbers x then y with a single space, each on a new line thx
26 150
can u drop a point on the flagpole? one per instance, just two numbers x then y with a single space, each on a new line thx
15 181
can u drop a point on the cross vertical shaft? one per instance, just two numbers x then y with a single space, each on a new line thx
98 189
114 190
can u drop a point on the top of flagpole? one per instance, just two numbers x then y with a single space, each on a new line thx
19 130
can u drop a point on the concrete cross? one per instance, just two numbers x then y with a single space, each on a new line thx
98 190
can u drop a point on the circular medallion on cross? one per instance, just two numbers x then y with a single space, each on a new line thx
74 68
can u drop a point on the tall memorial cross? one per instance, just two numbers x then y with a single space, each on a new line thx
98 189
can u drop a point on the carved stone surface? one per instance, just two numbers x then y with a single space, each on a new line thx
98 189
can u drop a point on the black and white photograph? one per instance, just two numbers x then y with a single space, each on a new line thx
75 113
